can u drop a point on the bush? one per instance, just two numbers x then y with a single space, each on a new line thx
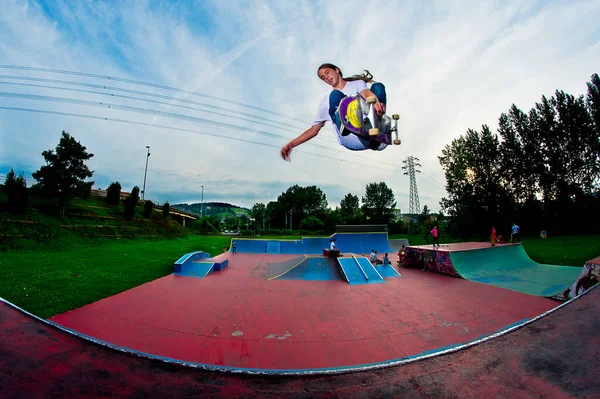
86 190
135 193
148 206
129 207
165 209
16 193
113 193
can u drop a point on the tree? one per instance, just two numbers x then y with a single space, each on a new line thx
258 213
378 203
16 192
113 193
131 202
350 209
311 223
476 199
148 207
304 201
62 178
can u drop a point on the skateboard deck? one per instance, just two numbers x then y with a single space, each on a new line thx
358 117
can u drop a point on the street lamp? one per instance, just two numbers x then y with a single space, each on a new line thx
145 172
202 201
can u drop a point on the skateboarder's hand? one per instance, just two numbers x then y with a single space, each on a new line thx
379 108
286 151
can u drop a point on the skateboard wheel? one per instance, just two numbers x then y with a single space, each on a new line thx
395 117
396 141
373 132
371 100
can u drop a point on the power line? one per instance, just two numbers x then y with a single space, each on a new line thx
99 104
161 113
378 166
139 92
146 100
141 83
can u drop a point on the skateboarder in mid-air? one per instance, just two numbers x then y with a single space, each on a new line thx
328 111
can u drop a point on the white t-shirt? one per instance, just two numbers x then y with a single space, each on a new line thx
332 245
351 141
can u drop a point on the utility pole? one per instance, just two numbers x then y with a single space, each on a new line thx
291 211
414 208
202 203
145 172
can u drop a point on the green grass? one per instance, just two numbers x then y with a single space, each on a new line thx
49 282
563 250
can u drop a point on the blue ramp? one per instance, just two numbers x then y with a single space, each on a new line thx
372 273
352 271
196 269
273 247
387 271
362 243
355 271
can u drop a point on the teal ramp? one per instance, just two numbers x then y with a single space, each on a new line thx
510 267
273 247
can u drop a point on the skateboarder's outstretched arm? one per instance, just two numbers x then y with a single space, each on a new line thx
303 138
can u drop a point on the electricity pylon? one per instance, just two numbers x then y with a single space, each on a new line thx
410 167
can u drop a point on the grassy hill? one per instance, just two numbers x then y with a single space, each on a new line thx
84 219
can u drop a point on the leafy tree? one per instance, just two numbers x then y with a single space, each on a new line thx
378 203
425 215
311 223
62 178
113 193
16 192
131 202
350 212
304 201
476 199
148 207
166 210
258 213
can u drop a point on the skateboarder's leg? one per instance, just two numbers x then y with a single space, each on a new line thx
379 90
334 102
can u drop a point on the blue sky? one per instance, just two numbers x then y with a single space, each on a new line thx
246 78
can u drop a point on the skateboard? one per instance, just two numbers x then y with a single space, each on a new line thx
358 117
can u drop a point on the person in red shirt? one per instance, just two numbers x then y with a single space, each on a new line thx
493 236
436 238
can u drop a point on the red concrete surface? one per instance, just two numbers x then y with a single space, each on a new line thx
554 357
236 318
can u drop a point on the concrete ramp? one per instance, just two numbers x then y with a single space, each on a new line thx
359 271
273 247
197 269
505 266
510 267
198 264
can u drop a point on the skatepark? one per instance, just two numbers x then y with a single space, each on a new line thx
282 308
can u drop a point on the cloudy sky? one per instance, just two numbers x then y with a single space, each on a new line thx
216 88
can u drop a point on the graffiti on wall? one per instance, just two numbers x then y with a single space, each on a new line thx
589 277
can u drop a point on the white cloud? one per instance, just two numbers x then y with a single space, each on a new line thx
447 67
